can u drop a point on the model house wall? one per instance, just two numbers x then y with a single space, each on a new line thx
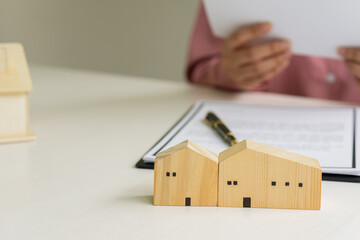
259 176
15 84
13 114
186 175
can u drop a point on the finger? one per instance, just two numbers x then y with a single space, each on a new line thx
246 34
252 83
350 54
276 71
261 51
264 66
354 68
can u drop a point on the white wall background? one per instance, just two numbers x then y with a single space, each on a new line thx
136 37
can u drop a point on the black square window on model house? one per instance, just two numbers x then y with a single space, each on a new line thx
273 183
174 174
287 184
168 174
228 182
300 184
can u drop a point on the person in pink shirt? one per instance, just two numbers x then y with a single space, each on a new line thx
236 64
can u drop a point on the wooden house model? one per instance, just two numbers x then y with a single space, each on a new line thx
15 85
186 175
259 176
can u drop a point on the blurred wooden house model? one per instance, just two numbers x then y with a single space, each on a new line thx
259 176
186 175
15 85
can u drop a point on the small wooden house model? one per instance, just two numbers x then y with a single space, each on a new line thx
186 175
15 84
259 176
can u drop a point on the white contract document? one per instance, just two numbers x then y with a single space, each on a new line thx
315 27
327 134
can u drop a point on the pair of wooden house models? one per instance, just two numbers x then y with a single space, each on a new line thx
248 174
15 85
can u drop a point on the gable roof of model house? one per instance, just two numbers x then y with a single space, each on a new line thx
190 145
14 70
272 151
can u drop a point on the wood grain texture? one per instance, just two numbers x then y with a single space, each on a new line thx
270 177
196 178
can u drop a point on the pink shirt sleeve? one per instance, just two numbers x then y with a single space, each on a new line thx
305 76
204 56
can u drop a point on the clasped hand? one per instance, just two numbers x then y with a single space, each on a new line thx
351 57
251 64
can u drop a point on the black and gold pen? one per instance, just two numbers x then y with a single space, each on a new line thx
214 122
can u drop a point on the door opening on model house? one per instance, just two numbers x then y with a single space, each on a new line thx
187 201
247 202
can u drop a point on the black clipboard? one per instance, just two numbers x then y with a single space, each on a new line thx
325 176
149 165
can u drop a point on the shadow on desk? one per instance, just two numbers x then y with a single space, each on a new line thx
147 199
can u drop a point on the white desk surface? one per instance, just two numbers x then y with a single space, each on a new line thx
78 180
